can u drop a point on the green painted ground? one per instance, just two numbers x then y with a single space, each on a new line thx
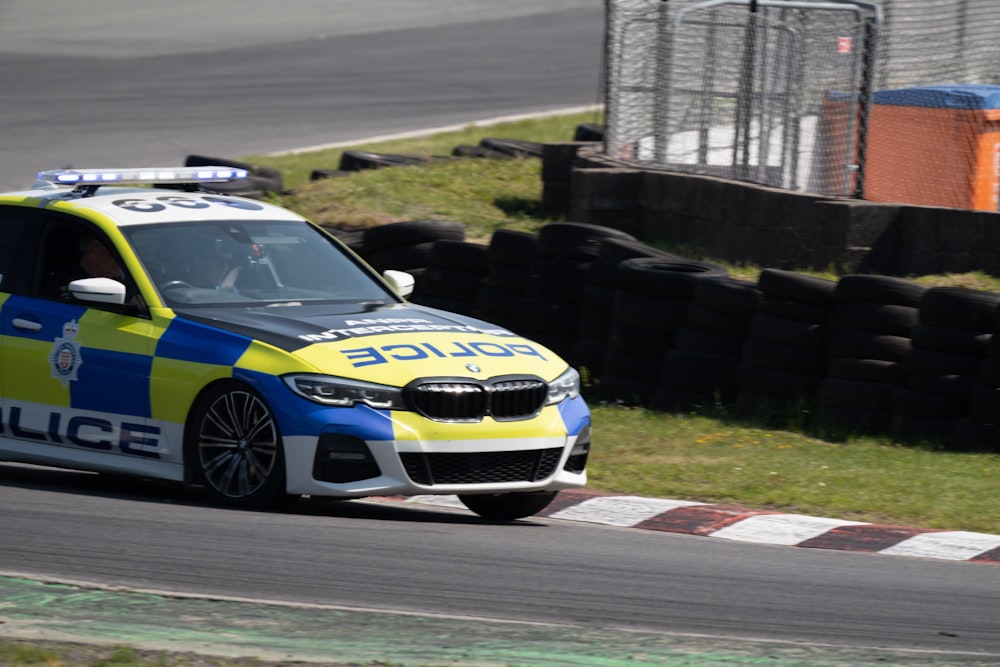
283 634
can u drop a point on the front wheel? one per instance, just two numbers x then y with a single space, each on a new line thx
508 506
236 449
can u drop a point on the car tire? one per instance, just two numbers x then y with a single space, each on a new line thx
235 449
508 506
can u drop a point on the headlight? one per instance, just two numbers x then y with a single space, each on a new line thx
565 386
330 390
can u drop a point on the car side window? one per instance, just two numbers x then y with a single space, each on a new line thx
68 251
13 222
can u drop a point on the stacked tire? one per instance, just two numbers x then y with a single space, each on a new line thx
651 304
260 181
784 358
550 310
950 343
597 309
407 245
980 430
701 369
354 160
870 336
509 256
454 277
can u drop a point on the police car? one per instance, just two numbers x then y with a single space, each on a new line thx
238 347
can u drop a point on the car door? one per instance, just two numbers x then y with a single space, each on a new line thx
76 375
14 223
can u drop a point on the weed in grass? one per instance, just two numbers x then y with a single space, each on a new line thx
26 655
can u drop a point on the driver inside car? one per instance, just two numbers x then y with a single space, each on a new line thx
208 264
213 268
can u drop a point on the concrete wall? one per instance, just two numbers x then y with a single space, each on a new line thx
741 222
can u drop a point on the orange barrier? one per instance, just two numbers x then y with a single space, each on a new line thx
935 146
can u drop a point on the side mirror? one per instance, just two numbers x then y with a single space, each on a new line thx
400 281
98 290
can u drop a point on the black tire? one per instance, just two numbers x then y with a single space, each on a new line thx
875 317
867 370
765 354
794 333
260 179
949 385
856 395
622 364
638 342
863 345
533 315
984 404
578 240
770 382
412 232
938 431
971 435
879 289
614 251
729 296
852 420
951 339
460 256
699 371
670 278
628 391
589 132
495 304
465 150
791 286
401 258
322 174
361 160
989 372
932 362
912 404
451 284
509 247
514 278
960 307
508 506
588 354
513 147
694 340
558 278
598 302
703 319
650 312
234 448
796 310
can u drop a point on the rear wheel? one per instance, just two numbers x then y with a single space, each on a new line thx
236 448
508 506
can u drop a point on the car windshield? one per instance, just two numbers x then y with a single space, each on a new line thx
247 263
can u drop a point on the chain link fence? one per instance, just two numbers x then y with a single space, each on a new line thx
823 96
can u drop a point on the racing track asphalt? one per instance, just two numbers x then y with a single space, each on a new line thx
733 522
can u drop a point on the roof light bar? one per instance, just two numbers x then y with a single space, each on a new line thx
149 175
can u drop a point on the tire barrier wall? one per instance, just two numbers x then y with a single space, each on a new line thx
863 354
739 222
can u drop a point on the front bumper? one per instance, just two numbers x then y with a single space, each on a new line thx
350 455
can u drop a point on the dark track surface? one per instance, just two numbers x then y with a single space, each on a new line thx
389 556
150 86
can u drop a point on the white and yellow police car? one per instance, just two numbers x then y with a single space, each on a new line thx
164 331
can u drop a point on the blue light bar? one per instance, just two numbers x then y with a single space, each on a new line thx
147 175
